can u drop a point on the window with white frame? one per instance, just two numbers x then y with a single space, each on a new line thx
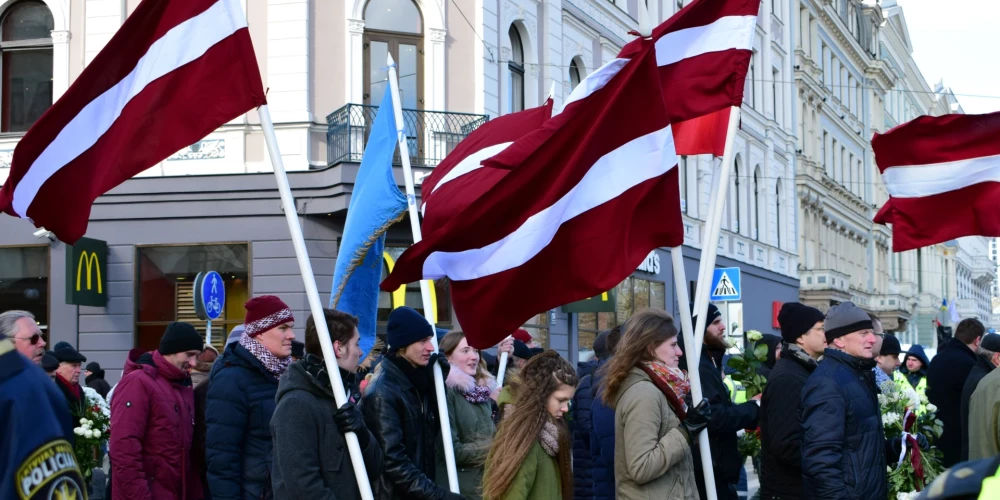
515 78
26 72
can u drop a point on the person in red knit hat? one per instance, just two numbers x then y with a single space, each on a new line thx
523 335
240 402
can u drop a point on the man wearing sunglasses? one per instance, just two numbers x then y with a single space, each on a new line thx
28 338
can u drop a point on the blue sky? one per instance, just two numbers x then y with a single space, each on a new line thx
959 41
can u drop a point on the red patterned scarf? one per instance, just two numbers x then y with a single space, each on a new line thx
672 382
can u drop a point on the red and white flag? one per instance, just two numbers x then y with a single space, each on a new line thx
462 178
703 52
577 214
943 178
174 72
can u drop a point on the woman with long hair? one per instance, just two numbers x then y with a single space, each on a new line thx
471 394
531 454
653 426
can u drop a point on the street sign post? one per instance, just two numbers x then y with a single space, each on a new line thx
726 285
209 299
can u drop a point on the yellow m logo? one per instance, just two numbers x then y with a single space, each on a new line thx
89 259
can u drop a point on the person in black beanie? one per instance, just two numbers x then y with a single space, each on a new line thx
50 364
95 379
727 417
803 341
400 409
888 356
153 419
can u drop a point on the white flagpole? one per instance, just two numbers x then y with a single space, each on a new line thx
709 252
411 201
503 360
312 294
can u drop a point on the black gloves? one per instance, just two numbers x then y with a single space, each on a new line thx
442 361
697 419
349 419
922 442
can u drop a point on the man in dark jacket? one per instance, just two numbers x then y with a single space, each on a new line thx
727 417
310 453
95 379
68 376
987 359
780 412
843 444
774 352
240 402
400 409
152 421
582 426
945 380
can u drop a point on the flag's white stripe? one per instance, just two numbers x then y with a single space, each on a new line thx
639 160
471 163
726 33
915 181
179 46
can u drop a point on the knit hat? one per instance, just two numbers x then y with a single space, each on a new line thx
796 319
601 345
991 342
93 366
521 350
713 313
298 349
890 346
845 318
235 335
180 337
49 362
522 335
65 353
264 313
406 326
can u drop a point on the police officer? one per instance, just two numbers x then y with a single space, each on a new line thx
38 433
973 480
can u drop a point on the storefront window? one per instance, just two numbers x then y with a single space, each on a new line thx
411 298
24 281
165 290
633 294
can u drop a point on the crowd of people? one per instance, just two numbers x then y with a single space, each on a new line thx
259 420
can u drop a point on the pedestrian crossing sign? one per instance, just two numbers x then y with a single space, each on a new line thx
726 285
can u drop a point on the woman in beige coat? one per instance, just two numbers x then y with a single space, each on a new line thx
653 429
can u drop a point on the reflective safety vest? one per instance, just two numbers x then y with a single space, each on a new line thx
991 488
737 393
921 388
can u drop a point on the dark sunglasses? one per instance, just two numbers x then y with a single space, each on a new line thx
33 339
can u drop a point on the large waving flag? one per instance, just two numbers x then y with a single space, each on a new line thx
943 178
462 178
376 204
173 73
598 194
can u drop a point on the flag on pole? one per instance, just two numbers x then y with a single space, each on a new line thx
461 178
376 204
953 312
577 215
943 178
703 52
174 72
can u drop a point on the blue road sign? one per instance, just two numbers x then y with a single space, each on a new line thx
726 285
213 294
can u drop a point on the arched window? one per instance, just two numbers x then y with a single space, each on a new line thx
394 27
736 191
682 165
574 74
26 72
777 211
756 204
515 78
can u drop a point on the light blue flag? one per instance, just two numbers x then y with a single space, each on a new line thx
376 204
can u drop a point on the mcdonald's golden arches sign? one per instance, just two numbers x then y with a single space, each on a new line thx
87 273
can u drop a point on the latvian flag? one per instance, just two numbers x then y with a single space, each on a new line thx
943 178
173 73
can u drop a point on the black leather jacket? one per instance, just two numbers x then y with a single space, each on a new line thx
405 424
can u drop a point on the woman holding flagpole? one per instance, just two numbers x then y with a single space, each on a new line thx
654 427
531 455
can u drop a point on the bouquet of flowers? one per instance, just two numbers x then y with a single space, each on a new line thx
746 366
92 431
914 468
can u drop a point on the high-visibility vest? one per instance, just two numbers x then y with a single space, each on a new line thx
991 488
921 387
737 393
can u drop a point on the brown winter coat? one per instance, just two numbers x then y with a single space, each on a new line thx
652 453
984 418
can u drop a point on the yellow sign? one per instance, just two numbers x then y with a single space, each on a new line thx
87 273
399 295
50 472
92 263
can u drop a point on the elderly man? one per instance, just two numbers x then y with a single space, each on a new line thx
20 326
68 375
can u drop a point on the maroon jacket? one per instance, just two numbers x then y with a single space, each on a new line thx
152 422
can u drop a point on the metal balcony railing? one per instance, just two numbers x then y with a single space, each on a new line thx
430 135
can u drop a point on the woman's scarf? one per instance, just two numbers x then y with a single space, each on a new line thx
473 391
274 364
672 382
548 436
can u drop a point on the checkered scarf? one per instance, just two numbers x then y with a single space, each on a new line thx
274 364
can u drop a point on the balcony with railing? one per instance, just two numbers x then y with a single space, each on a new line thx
430 135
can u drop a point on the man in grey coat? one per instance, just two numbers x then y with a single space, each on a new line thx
310 453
